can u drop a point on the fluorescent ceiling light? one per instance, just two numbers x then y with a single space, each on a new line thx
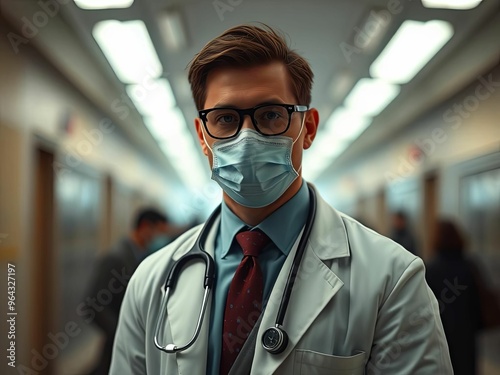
410 49
103 4
319 157
451 4
129 50
170 131
345 125
167 124
172 29
370 96
153 97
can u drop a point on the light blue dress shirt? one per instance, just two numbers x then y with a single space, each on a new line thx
282 227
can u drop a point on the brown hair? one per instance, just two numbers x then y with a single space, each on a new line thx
246 46
447 238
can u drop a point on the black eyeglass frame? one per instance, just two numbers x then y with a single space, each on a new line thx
291 108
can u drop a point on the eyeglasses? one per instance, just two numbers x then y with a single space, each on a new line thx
268 119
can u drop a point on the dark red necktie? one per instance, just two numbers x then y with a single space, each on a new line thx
244 299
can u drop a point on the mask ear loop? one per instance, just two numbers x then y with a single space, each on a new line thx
301 128
296 139
205 140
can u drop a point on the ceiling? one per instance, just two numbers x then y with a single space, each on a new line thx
318 29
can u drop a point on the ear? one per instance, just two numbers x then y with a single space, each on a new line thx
311 123
199 131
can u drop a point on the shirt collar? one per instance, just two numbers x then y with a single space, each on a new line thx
282 226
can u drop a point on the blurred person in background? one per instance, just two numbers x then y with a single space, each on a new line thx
401 232
151 231
451 276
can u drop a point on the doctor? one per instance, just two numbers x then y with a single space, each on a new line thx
360 303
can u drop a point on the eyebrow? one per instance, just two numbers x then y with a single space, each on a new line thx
266 102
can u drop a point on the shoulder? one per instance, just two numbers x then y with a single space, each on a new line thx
375 260
372 244
379 254
351 238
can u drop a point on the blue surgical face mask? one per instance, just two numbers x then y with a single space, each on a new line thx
254 170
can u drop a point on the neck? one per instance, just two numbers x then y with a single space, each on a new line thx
253 216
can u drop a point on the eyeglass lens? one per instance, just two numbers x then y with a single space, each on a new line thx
269 120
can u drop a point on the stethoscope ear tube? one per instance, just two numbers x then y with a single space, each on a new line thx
197 252
176 269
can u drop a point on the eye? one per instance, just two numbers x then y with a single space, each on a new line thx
224 118
271 115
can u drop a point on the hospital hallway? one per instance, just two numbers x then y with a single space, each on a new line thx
97 123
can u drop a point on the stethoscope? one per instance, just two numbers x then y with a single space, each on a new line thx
274 339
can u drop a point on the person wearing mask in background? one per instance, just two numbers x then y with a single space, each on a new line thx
151 231
360 302
401 232
451 276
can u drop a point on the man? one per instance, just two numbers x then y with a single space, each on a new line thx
150 232
401 232
359 301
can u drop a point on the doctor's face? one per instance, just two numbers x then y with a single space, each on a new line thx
247 87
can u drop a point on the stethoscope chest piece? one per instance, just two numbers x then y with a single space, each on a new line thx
274 340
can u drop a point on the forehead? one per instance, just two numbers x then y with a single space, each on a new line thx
248 86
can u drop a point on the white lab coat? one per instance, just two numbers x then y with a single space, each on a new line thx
360 305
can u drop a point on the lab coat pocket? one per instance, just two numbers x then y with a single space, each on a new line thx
308 362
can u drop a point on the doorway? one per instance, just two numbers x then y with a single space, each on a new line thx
42 256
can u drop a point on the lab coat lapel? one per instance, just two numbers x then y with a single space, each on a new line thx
183 310
314 287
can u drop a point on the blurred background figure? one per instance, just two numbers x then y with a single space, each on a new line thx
401 232
451 276
150 232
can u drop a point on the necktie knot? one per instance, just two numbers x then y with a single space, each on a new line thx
252 242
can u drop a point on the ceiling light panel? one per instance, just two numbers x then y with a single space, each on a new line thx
129 50
170 131
345 124
172 28
370 96
103 4
152 97
451 4
167 124
410 49
341 129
